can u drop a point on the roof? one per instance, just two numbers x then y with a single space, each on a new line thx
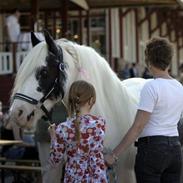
118 3
74 4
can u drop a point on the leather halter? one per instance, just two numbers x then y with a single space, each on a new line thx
40 103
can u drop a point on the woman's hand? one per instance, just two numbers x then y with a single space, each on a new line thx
52 132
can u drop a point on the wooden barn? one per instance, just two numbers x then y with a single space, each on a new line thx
117 29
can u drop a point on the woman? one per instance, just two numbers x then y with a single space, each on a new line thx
158 158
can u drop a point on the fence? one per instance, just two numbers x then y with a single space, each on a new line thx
10 61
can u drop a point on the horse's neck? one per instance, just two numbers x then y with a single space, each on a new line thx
117 106
111 93
114 96
114 102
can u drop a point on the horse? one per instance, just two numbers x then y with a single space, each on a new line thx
45 76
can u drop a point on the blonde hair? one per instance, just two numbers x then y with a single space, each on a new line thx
80 93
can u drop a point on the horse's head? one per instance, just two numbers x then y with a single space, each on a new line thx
40 82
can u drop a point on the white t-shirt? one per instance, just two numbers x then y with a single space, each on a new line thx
13 28
163 98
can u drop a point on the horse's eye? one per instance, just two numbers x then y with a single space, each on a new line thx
39 89
44 73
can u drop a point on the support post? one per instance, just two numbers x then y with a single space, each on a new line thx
137 35
64 17
34 13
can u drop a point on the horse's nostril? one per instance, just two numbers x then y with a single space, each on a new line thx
30 115
20 113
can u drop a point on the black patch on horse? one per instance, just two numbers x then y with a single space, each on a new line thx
50 75
53 75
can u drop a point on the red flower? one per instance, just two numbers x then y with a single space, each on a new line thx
85 141
99 125
97 138
84 135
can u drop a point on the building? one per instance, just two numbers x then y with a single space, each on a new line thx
117 29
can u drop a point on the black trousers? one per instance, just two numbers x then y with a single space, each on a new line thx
158 160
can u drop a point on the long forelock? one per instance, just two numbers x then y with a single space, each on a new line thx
34 59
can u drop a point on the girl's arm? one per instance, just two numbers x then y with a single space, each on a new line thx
57 148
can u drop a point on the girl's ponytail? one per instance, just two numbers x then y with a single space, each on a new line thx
80 93
77 121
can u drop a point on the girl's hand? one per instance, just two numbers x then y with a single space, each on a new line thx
52 132
110 160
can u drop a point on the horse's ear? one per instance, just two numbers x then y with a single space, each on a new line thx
52 47
34 39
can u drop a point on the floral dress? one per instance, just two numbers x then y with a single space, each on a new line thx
85 161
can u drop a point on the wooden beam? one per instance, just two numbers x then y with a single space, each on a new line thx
64 16
178 56
34 13
82 3
54 25
110 38
137 35
146 17
123 14
88 27
80 27
121 32
149 25
160 21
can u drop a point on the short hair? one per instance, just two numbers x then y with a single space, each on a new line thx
159 52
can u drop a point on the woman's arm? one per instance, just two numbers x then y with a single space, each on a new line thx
141 119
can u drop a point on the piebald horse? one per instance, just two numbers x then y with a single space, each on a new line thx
44 79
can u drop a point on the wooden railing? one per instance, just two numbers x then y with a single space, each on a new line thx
18 166
6 63
11 60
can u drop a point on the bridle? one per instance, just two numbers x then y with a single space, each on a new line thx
40 103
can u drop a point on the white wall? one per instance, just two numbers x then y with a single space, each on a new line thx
115 32
143 36
129 37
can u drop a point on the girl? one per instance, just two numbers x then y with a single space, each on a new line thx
81 138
